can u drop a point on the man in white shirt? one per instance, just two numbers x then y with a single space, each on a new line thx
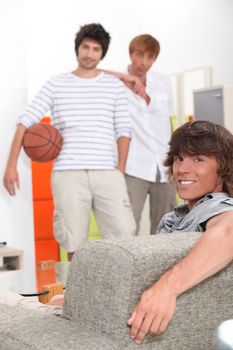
90 110
151 108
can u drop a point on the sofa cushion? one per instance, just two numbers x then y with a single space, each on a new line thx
32 330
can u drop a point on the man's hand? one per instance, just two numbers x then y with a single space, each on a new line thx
122 147
11 180
154 310
121 168
134 84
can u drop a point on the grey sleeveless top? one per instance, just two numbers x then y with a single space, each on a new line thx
181 219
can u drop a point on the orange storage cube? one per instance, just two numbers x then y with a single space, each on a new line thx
43 219
41 179
45 273
47 250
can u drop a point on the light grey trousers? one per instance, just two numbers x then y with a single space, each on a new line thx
162 199
75 192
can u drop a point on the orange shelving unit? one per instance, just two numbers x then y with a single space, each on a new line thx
46 246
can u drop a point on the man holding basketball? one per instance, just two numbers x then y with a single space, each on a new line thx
90 110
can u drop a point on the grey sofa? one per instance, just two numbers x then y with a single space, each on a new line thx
105 281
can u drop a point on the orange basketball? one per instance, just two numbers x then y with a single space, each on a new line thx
42 142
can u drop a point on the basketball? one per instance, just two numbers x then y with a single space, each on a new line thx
42 142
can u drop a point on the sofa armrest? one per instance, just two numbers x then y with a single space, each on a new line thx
107 277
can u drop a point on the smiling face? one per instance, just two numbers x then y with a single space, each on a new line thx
89 54
195 176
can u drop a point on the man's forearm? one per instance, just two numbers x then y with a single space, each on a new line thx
16 145
131 81
11 177
123 148
212 252
119 75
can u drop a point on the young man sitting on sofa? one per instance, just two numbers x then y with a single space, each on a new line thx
200 162
201 165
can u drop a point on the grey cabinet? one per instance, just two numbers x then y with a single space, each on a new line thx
215 104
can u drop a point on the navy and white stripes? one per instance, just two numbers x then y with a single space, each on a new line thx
89 113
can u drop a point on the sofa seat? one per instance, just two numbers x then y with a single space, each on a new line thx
22 329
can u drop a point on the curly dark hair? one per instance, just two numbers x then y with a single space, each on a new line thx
94 31
204 138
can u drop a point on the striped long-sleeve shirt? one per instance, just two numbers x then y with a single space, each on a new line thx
90 115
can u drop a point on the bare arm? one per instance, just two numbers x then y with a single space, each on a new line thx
131 81
201 262
11 177
212 252
123 148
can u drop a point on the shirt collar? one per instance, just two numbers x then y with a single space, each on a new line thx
183 209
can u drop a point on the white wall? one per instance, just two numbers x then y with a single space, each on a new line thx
192 33
16 213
